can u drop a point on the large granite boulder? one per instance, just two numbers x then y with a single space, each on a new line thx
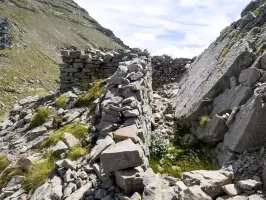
211 182
242 136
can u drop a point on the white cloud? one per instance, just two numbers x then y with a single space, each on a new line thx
181 28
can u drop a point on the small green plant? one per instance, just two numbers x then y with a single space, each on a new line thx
75 152
91 95
76 129
236 34
38 173
225 51
39 118
158 148
85 85
61 101
4 162
57 121
203 120
256 12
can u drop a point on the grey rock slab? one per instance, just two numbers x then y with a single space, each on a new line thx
242 136
49 190
126 133
78 194
249 184
15 180
257 197
211 182
66 164
135 196
70 140
230 99
100 194
32 134
193 193
70 188
102 144
249 77
213 132
153 191
60 147
232 189
25 162
123 155
205 74
111 118
131 113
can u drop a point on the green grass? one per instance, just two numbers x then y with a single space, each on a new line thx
38 173
225 51
91 95
4 162
76 129
203 120
57 121
256 12
76 152
39 118
61 101
8 174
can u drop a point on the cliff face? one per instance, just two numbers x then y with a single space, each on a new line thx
31 36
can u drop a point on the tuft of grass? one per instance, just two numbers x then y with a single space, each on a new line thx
39 118
8 174
4 162
203 120
236 34
57 121
76 152
38 173
76 129
256 12
91 95
61 101
225 51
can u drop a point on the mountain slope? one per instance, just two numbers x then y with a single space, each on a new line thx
38 30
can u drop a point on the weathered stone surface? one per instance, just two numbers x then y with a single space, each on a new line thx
213 132
256 197
193 193
78 194
31 135
60 147
249 184
50 190
230 99
232 189
25 162
153 191
123 155
130 180
66 164
195 89
102 144
129 132
131 113
249 77
70 140
190 140
241 135
210 182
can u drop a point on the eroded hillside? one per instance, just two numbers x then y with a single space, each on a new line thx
37 30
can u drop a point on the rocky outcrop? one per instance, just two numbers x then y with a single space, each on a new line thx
5 39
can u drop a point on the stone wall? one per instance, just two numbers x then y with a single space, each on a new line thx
5 40
79 67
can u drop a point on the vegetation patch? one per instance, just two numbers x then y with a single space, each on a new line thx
61 101
38 173
172 158
39 118
76 129
76 152
203 120
4 162
256 12
91 95
225 51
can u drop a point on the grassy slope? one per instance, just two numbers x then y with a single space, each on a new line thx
37 38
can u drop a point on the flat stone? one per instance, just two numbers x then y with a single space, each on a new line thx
123 155
70 140
210 182
126 133
78 194
32 134
60 147
193 193
232 189
100 194
66 164
131 113
111 118
256 197
249 184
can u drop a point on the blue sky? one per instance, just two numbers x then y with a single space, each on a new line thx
180 28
